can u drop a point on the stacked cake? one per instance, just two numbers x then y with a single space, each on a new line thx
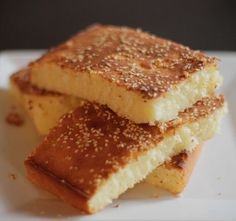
117 106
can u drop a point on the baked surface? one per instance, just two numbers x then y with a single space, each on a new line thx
128 70
99 155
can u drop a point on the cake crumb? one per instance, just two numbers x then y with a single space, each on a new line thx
12 176
15 119
116 205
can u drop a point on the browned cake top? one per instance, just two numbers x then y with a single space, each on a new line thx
131 58
22 80
92 142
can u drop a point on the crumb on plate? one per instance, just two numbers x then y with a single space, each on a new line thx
116 205
15 119
12 176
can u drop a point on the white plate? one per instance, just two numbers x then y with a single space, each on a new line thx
210 194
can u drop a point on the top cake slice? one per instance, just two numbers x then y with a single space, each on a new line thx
138 75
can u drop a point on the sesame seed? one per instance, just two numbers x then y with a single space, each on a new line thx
139 61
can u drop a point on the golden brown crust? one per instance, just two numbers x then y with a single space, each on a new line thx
133 59
92 143
22 80
42 179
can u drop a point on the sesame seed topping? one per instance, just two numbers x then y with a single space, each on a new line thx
133 59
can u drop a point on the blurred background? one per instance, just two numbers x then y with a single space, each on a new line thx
208 25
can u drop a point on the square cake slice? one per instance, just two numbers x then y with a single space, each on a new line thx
139 76
93 155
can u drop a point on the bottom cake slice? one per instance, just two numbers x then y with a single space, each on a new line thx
46 107
93 155
174 175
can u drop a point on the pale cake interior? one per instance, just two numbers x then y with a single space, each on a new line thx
127 103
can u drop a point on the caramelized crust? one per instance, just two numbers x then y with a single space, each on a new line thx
54 185
133 59
92 143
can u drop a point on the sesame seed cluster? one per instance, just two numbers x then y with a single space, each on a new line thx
133 59
92 142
